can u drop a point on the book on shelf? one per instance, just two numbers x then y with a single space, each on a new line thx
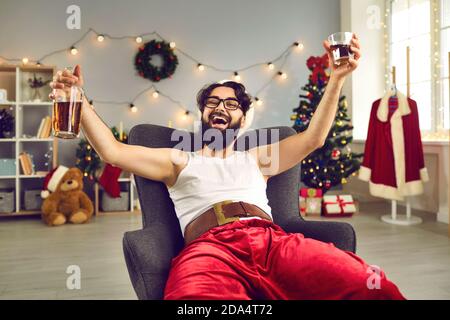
45 128
26 163
49 127
46 131
30 163
38 134
23 163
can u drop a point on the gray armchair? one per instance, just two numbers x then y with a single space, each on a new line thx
148 252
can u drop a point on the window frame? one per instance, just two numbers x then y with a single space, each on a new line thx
436 72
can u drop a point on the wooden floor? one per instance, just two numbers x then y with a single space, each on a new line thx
34 258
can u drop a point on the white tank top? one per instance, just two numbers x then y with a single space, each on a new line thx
208 180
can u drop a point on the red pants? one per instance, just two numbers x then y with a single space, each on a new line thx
256 259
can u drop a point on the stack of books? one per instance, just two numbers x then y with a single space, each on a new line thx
26 164
45 128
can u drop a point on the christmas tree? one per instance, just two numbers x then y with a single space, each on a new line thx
332 164
88 161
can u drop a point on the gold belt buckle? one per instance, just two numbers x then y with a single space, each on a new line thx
220 216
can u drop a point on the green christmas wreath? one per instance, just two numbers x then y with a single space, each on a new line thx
143 61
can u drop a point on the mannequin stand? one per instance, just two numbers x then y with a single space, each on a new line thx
402 220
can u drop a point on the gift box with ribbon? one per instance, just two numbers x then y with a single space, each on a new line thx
310 201
313 206
310 193
338 206
302 204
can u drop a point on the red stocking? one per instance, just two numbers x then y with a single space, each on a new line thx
109 180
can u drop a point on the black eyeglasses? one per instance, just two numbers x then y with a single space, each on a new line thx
229 103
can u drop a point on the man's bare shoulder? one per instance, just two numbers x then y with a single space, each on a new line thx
179 159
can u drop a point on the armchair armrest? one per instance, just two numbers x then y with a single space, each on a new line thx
148 255
341 234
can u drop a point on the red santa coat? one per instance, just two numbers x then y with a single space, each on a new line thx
393 156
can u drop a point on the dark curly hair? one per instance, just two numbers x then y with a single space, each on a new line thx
245 100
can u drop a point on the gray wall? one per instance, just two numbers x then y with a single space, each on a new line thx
228 34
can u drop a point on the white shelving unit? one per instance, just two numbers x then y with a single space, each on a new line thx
13 78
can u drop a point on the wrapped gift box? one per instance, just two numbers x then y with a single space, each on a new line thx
311 200
311 193
313 206
338 206
302 208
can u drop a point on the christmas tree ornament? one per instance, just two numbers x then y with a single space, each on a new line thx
335 154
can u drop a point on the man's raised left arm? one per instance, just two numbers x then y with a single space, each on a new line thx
281 156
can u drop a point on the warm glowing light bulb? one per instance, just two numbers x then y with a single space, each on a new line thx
73 50
283 75
133 108
155 94
172 45
100 38
258 101
185 115
200 67
237 77
299 46
138 39
270 65
25 60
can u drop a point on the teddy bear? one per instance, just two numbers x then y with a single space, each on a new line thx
67 201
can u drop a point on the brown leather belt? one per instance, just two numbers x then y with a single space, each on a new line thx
221 213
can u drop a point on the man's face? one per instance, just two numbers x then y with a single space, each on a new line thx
226 121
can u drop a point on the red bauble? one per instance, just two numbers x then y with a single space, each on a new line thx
335 154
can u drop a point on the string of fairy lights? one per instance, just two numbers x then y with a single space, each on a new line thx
274 65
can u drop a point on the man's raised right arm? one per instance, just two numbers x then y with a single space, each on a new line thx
152 163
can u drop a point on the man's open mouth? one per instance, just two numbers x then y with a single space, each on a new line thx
219 121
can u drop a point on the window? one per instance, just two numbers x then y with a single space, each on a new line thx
444 63
423 27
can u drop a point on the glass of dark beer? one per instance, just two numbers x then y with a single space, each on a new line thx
340 46
66 117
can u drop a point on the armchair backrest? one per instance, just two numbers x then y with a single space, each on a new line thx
156 205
